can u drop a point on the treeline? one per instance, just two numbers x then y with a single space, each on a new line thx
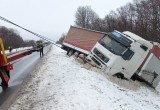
141 17
12 38
60 40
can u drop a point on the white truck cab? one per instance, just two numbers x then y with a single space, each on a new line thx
120 53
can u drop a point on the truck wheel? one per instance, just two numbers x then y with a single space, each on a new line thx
77 54
8 73
119 75
4 84
70 53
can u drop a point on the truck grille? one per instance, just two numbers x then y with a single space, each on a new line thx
100 56
99 59
97 62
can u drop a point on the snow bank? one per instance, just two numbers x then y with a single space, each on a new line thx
17 50
158 87
65 83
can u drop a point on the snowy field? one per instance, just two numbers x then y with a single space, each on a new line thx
60 82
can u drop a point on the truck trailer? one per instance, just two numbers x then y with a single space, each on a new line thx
127 55
81 40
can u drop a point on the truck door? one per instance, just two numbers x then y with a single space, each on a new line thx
133 61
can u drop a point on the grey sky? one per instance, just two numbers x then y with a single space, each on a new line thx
50 17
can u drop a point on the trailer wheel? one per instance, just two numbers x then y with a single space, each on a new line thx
119 75
77 54
70 53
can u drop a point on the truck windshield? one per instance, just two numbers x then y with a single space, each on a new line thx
112 45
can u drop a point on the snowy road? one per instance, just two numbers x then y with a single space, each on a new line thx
65 83
22 68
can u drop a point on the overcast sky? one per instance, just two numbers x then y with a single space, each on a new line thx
50 18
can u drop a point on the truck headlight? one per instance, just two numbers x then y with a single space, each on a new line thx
105 68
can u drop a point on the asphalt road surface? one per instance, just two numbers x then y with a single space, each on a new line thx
22 68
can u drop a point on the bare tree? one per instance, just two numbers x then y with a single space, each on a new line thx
111 21
85 17
28 43
11 37
60 41
141 17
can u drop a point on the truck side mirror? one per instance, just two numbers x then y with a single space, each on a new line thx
128 54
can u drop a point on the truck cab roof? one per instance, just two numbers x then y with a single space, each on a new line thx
139 39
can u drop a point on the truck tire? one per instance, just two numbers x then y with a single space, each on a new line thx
119 75
77 54
70 53
4 84
8 73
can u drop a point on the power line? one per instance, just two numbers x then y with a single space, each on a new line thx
38 35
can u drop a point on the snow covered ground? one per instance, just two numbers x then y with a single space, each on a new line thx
65 83
16 50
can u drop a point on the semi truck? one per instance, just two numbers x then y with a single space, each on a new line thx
127 55
121 54
81 40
